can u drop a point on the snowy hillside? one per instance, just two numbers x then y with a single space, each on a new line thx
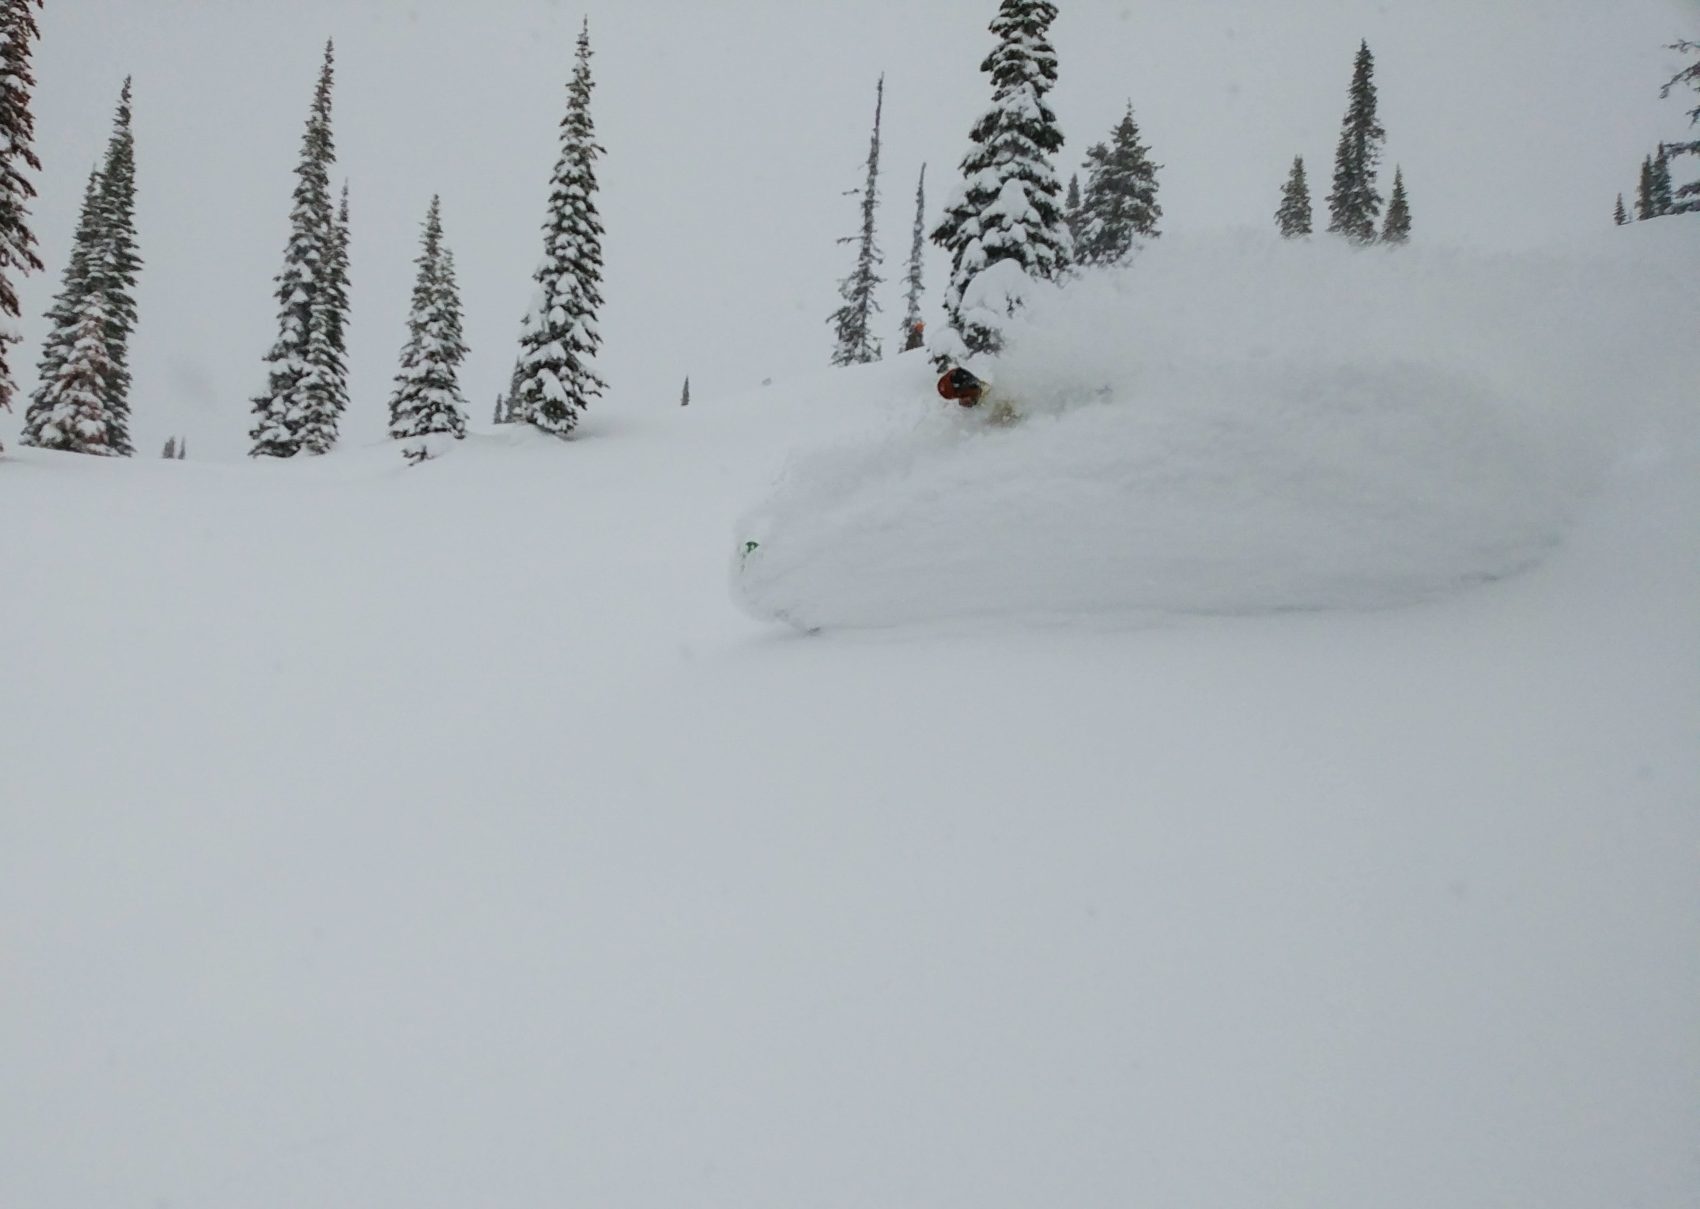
443 836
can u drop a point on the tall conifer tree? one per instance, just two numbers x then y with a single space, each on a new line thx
506 407
328 346
1354 206
427 398
114 271
1662 197
1644 204
855 342
454 315
1119 203
18 256
337 287
1007 214
1397 229
685 395
65 315
1293 218
297 411
104 264
555 379
1620 216
1072 215
914 334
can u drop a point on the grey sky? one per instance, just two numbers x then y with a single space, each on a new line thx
732 130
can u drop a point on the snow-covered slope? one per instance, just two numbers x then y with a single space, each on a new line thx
443 836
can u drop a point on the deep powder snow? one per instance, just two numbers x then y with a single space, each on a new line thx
1238 425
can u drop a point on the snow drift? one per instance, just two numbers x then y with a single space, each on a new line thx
1242 425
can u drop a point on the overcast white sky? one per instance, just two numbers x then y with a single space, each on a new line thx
732 129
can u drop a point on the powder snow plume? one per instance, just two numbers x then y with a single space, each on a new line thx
1241 424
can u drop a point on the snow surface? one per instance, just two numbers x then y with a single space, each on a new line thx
437 836
1244 425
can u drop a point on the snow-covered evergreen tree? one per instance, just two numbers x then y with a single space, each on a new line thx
64 316
685 395
1397 229
1119 202
555 378
915 282
69 413
170 453
427 398
1620 216
455 315
854 341
506 411
103 266
1644 207
1004 223
298 409
1686 200
114 272
337 285
327 348
18 255
1354 206
1072 215
1661 195
1293 218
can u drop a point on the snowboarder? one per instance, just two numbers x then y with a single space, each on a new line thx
967 390
963 387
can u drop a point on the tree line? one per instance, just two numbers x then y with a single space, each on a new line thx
81 404
1008 222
